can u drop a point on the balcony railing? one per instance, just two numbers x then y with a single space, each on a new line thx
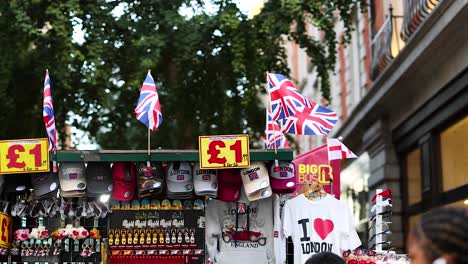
382 48
415 12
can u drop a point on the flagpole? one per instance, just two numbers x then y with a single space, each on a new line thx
148 165
274 132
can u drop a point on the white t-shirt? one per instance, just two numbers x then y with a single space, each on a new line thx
324 224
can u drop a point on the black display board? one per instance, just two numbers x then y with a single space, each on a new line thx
170 233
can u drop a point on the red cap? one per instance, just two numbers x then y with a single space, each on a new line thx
230 183
124 176
282 178
385 194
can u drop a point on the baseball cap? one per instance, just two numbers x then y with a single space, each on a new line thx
99 178
17 183
260 194
123 174
282 178
149 183
205 181
72 176
44 184
230 184
255 177
179 180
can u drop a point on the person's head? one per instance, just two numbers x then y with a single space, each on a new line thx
441 233
325 258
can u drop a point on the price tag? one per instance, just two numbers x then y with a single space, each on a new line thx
224 152
5 230
24 155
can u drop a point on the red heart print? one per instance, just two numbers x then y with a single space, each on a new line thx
323 227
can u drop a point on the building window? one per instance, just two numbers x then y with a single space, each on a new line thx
454 155
413 172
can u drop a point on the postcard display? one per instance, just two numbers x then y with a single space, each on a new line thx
172 234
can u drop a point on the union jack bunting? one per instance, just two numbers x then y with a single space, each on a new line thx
316 120
148 109
273 136
285 99
48 114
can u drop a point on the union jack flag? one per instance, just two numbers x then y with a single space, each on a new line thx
148 109
285 99
316 120
273 137
48 113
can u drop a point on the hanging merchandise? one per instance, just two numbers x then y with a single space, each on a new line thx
230 184
179 180
380 220
314 166
99 179
45 185
150 182
72 179
205 182
318 223
282 178
256 181
240 232
372 257
123 174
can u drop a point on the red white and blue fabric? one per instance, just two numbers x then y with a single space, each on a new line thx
148 109
48 114
285 99
273 137
316 120
338 151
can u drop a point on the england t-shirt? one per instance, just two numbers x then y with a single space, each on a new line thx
324 224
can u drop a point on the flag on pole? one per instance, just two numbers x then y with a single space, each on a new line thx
48 114
316 120
285 99
273 136
148 109
337 150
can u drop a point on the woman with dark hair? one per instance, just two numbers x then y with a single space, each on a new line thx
440 237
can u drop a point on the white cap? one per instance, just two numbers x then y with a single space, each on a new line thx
255 177
260 194
72 176
179 177
205 181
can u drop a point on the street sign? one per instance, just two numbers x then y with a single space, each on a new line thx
24 156
5 230
224 151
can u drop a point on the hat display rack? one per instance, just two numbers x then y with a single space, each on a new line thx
52 225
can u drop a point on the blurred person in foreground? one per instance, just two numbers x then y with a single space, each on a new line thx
325 258
440 237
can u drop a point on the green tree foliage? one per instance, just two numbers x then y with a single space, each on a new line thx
209 65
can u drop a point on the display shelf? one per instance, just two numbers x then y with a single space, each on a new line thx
158 155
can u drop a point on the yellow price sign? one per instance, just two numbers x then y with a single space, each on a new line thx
24 156
5 230
224 152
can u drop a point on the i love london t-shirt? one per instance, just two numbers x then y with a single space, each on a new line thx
324 224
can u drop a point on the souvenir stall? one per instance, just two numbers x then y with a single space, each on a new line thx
111 207
107 207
